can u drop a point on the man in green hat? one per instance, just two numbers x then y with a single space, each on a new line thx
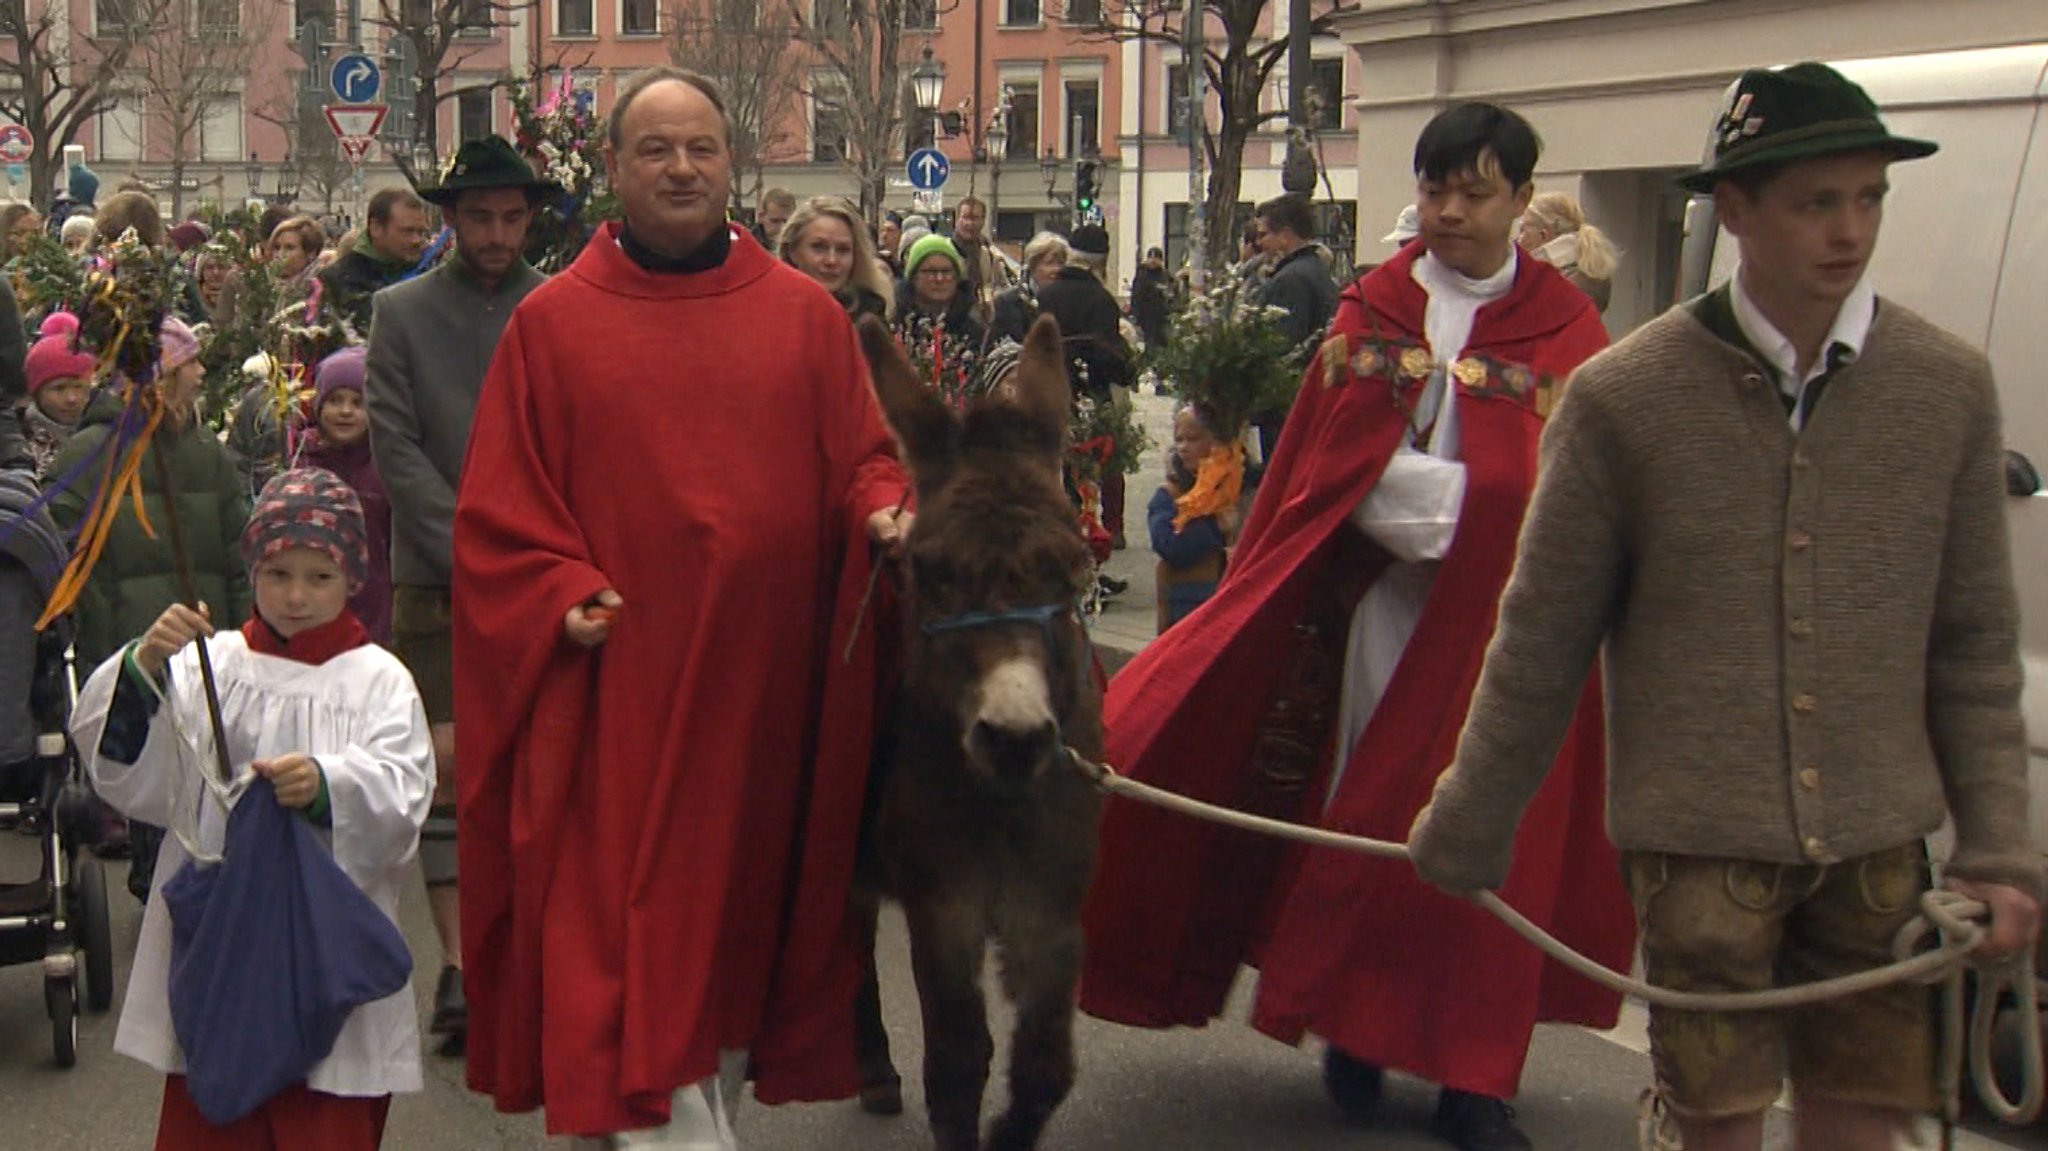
431 340
1780 509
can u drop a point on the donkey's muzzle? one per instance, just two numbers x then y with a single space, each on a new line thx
1016 755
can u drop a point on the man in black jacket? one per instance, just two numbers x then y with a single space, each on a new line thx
392 242
1299 284
1091 328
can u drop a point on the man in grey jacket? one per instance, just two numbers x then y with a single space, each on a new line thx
1812 657
431 342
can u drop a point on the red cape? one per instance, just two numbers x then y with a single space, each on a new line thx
657 837
1358 951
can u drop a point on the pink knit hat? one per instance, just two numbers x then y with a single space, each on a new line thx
179 344
54 357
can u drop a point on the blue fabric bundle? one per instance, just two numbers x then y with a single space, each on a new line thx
271 949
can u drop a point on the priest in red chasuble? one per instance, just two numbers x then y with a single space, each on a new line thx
676 476
1327 680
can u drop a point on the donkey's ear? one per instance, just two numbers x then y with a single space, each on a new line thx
917 416
1041 389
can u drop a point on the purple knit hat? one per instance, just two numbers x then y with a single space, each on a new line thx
54 357
343 369
309 508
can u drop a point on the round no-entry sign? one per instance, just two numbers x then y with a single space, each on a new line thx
16 144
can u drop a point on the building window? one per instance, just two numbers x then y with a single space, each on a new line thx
218 19
220 130
319 12
1326 77
1176 231
1020 13
921 14
639 18
472 114
1023 121
832 17
1177 101
117 17
1083 11
120 128
1083 128
575 17
828 119
474 18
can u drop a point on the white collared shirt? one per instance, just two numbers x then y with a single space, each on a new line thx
1844 343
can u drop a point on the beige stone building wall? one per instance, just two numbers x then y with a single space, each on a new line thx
1622 91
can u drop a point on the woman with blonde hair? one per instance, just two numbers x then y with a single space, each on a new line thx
1554 230
1017 306
827 240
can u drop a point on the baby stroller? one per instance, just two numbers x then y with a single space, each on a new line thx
60 917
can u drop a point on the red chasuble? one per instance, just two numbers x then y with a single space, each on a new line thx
1359 951
658 835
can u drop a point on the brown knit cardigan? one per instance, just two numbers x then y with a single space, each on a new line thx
1811 639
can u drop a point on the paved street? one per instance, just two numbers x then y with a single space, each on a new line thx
1221 1088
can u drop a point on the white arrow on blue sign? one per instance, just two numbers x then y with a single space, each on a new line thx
928 168
355 78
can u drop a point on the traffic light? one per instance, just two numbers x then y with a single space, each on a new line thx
1087 182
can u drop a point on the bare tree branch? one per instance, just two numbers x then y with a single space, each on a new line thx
198 55
1239 64
862 47
59 75
748 49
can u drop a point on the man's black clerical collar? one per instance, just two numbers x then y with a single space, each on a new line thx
707 255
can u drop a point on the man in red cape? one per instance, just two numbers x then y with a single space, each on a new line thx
661 543
1247 702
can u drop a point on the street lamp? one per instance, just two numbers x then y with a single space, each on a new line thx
1049 171
928 83
288 178
254 172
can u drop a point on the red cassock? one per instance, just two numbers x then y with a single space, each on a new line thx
1359 951
657 836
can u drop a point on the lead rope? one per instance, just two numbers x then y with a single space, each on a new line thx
1950 918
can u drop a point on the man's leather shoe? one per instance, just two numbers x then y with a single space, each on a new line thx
451 1009
1354 1084
1477 1123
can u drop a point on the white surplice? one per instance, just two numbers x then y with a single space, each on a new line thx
1413 510
359 716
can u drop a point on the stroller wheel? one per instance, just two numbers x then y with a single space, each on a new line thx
95 935
61 994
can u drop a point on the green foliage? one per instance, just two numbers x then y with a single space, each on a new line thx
47 278
1112 422
1225 354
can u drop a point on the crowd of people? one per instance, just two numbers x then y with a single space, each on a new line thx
621 520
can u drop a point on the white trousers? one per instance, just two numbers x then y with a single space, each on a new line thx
701 1116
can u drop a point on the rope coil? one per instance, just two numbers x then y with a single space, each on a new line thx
1952 920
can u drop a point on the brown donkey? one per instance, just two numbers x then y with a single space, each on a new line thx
983 831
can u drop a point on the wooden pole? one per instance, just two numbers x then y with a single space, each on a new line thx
190 587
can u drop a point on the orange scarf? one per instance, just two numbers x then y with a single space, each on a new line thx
1219 484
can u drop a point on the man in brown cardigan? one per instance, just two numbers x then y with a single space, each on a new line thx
1780 509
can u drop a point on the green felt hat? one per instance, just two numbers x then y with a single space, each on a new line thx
1775 116
486 162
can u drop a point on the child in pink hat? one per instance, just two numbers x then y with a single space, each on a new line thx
59 385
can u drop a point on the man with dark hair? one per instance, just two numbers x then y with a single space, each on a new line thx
662 767
1327 679
987 273
431 340
389 248
1298 282
1812 659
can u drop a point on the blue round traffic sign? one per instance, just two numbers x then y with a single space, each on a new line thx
928 168
16 144
355 78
